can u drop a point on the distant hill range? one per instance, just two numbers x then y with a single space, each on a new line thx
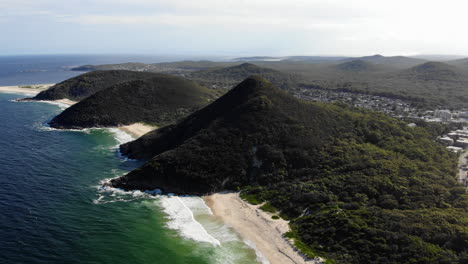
335 172
310 59
159 100
463 63
230 76
434 71
82 86
176 68
355 66
394 61
424 83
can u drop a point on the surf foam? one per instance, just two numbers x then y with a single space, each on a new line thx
181 218
121 136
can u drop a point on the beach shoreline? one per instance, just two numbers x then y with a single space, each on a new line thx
256 226
30 90
137 129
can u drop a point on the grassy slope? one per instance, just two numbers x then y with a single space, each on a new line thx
159 100
359 187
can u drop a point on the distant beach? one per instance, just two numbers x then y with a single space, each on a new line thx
137 129
25 89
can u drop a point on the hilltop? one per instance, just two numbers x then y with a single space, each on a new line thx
84 85
229 76
159 100
463 62
358 186
393 61
433 71
392 77
356 66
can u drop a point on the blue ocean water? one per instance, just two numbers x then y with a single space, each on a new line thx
42 69
52 209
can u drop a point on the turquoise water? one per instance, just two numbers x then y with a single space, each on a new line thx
53 211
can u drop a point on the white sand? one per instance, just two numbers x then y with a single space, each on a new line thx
66 101
257 227
137 129
25 89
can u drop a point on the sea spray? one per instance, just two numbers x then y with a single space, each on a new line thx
121 136
192 219
61 105
181 218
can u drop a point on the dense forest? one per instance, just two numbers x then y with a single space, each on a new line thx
159 100
84 85
358 186
425 84
230 76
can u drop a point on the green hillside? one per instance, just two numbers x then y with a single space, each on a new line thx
356 66
433 71
423 83
159 100
401 62
358 186
230 76
84 85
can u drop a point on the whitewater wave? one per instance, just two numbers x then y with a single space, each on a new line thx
180 216
204 215
121 136
260 257
182 219
47 127
61 105
108 194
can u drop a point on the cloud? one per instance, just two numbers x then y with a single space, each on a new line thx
298 26
212 20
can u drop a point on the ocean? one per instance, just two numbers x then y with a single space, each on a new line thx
42 69
54 209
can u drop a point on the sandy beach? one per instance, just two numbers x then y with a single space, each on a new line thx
25 89
32 90
66 101
256 226
138 129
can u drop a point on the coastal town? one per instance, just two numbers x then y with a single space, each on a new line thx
457 141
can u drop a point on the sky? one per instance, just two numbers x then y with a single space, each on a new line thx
234 27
